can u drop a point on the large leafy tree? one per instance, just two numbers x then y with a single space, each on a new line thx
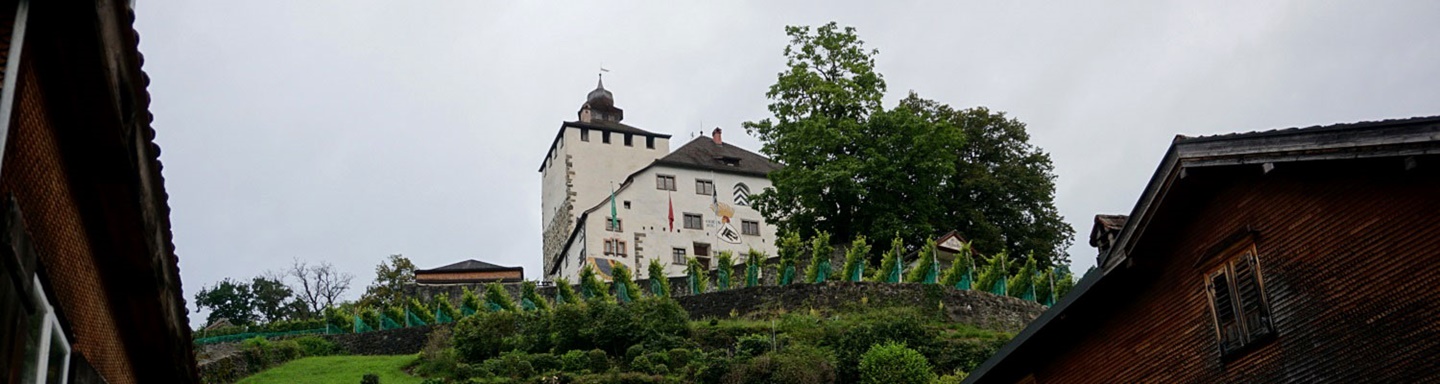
854 168
228 299
273 300
391 277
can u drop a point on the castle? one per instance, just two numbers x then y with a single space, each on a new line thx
613 194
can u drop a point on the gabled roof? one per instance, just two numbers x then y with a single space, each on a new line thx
702 153
471 265
1388 138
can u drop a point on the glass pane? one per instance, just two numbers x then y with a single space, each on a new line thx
55 367
30 364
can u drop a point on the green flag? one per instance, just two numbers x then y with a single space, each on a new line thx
614 220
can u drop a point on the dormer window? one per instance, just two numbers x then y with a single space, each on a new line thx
729 160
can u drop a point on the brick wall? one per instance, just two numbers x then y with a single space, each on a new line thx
34 173
1350 258
452 276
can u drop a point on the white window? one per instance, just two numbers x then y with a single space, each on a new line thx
665 182
47 352
694 221
750 227
704 187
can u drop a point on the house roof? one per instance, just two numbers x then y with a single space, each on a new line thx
1388 138
702 153
470 265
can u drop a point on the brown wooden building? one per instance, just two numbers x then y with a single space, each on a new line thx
89 286
1298 255
470 271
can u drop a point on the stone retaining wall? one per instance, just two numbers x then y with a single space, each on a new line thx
402 341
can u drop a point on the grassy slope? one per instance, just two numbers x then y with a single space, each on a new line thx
338 370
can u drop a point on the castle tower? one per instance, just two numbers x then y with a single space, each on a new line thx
585 158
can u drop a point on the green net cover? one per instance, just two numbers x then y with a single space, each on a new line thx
894 276
724 279
932 275
465 310
965 281
823 272
527 304
622 293
752 275
411 320
443 318
788 276
999 287
656 289
387 323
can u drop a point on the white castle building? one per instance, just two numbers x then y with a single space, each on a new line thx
667 206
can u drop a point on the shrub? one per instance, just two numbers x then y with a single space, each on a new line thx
598 362
963 266
752 345
894 363
534 336
530 299
339 319
625 288
855 259
514 364
442 307
420 311
793 365
679 357
1022 284
659 284
497 299
789 244
890 264
590 285
850 338
612 327
570 328
545 362
660 323
753 260
565 292
482 336
724 270
695 277
469 302
315 346
924 264
575 361
395 314
709 368
370 378
953 378
820 249
620 378
438 357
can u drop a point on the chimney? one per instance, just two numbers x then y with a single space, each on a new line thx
716 136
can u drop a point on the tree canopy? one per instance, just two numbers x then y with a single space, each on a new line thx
391 277
854 168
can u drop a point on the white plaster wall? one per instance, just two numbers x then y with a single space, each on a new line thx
597 164
552 181
648 215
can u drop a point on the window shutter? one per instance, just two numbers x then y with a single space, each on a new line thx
1227 324
1251 297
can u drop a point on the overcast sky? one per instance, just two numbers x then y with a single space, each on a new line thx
345 131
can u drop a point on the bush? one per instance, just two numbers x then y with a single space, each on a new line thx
620 378
545 362
752 345
598 362
370 378
953 378
515 365
661 323
315 346
481 337
535 330
612 326
339 319
852 337
894 363
793 365
575 361
438 357
679 357
260 352
570 327
709 368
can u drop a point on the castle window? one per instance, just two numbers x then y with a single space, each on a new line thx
704 187
694 221
677 255
615 247
649 142
614 225
665 182
750 227
584 134
629 140
1238 304
605 137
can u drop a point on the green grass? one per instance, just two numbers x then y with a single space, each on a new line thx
337 370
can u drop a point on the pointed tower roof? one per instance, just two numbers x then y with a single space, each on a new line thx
600 105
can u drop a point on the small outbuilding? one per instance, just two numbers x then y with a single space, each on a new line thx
470 271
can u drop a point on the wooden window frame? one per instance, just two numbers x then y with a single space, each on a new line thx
678 255
618 224
747 225
665 182
1242 316
701 186
699 221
